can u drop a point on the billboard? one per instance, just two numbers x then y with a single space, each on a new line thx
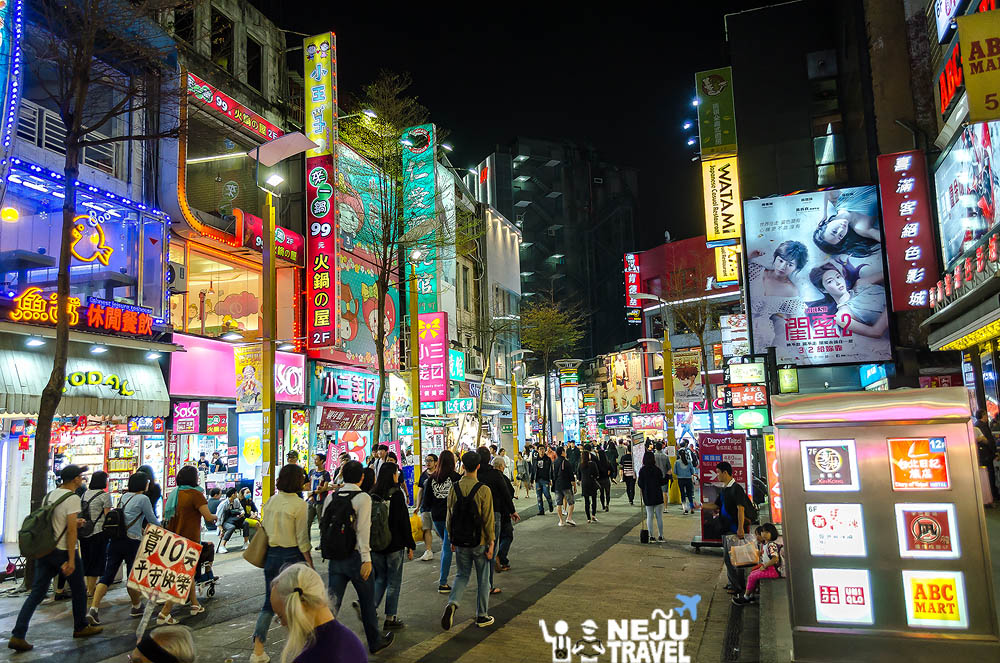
624 386
432 344
735 335
716 112
727 264
723 216
815 277
632 287
979 35
688 385
420 208
321 215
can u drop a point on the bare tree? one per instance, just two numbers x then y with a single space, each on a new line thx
103 66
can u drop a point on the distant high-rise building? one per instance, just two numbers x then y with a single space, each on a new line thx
578 215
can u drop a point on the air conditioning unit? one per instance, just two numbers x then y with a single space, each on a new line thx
176 277
475 364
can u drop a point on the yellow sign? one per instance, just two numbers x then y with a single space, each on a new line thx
88 242
30 306
723 206
727 264
321 92
979 35
935 599
249 364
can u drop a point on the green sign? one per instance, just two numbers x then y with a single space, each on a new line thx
507 428
460 406
405 430
752 418
434 408
788 380
419 199
716 113
456 365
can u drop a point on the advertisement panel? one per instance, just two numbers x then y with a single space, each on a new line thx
745 395
632 287
909 237
927 531
944 13
249 429
716 114
420 211
714 448
843 596
935 599
343 387
753 372
979 35
688 386
735 335
749 419
236 112
815 277
836 530
723 215
624 386
618 420
829 465
919 463
433 348
571 414
248 361
320 53
727 264
773 478
359 233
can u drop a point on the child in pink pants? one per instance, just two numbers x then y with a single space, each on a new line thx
770 566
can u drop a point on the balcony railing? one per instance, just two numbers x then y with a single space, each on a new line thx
45 129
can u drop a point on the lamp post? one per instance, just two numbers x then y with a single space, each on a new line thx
519 363
270 154
668 382
415 257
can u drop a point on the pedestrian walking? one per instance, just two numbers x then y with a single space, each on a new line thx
319 486
611 450
95 504
628 476
506 537
564 482
423 505
438 490
684 468
286 522
154 492
388 562
165 644
650 483
663 464
65 509
232 517
590 479
541 476
123 543
503 505
299 599
604 474
345 528
522 474
182 514
573 456
471 531
379 457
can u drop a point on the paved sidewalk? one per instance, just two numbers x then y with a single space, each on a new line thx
597 571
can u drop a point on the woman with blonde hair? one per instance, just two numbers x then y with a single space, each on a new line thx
165 644
299 599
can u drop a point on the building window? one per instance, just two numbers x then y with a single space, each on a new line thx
465 288
184 25
255 65
222 40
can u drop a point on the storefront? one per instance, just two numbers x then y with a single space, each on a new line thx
208 417
343 402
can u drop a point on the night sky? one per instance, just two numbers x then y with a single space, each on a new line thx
622 81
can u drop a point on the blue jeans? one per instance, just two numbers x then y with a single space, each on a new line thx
505 540
687 492
277 558
388 569
343 571
540 486
46 569
465 558
442 531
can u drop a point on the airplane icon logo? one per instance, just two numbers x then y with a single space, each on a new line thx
689 603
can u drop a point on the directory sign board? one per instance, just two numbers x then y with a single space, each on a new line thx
927 531
919 463
935 599
830 465
843 596
836 530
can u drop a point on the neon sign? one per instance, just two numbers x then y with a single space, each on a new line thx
93 247
104 315
97 378
30 306
235 111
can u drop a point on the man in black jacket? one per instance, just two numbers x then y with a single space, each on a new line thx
541 476
503 499
564 482
573 455
988 451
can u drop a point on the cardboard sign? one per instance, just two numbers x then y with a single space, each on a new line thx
829 465
935 599
836 530
165 566
919 463
843 596
927 531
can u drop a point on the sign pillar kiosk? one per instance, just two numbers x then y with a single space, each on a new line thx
885 538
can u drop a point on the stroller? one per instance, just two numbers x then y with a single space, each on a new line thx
204 578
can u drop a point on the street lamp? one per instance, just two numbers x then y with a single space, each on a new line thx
668 382
518 357
271 154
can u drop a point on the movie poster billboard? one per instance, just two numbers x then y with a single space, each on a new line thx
815 277
624 387
688 386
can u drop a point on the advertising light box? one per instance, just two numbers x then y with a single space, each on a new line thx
618 420
829 465
919 463
752 418
836 530
935 599
754 373
843 596
927 531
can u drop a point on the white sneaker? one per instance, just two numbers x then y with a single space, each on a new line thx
259 658
427 556
571 523
561 523
222 550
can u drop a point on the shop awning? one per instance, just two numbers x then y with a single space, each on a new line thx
120 382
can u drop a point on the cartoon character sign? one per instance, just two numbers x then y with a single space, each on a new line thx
350 212
348 314
89 243
369 308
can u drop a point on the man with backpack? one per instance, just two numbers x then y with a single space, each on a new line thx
736 510
345 530
471 532
49 536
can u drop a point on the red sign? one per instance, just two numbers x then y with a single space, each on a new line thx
919 463
773 477
173 461
647 422
713 448
32 306
321 277
746 395
337 419
649 408
288 244
632 287
217 424
232 109
909 237
950 79
927 531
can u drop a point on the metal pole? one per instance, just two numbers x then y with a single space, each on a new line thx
513 408
415 370
269 437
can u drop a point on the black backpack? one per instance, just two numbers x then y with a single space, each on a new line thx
338 537
466 521
87 528
749 508
115 524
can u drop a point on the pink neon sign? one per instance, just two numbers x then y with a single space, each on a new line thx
433 347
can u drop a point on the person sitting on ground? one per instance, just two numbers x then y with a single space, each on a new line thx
770 563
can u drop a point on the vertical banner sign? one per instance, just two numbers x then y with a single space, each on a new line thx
432 332
321 216
713 448
632 288
248 363
569 383
723 213
727 264
420 210
773 477
979 35
909 238
173 462
716 113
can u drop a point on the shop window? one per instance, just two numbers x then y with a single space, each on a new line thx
465 288
184 24
222 295
255 64
222 40
828 149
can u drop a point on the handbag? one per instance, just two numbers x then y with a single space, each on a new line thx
743 552
256 552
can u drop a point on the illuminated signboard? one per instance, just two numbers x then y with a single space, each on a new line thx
145 425
102 315
232 109
647 421
346 388
460 406
927 531
944 14
618 420
288 244
748 419
788 380
432 337
829 465
97 378
979 36
773 478
89 243
745 395
919 463
420 208
716 112
632 288
727 264
320 53
935 599
723 212
843 596
456 365
187 417
217 424
836 530
950 79
753 373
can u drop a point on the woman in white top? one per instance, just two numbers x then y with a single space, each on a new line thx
285 519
